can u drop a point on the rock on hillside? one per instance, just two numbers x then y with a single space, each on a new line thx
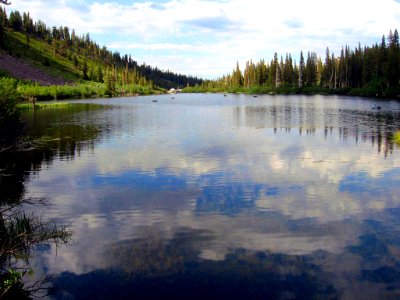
20 69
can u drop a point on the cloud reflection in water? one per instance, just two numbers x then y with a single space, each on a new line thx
296 178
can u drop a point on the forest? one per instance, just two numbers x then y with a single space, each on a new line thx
365 71
84 58
372 71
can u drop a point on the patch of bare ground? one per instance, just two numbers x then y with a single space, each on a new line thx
23 70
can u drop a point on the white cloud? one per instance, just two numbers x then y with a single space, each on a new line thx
155 46
225 31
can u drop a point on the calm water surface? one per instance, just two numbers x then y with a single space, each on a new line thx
209 196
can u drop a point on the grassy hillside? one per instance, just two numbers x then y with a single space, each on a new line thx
45 72
39 56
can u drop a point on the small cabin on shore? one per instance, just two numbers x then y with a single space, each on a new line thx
174 91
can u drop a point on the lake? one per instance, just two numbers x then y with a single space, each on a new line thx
213 196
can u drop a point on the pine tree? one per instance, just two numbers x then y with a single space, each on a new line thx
3 22
278 80
99 74
393 59
288 70
320 70
302 70
3 25
271 74
85 70
15 21
325 77
311 69
111 82
92 75
246 75
261 72
237 77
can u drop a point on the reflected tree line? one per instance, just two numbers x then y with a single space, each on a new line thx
368 127
23 151
155 266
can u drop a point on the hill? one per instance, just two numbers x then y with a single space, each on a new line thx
20 69
35 53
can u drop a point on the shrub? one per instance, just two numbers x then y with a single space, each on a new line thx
8 98
396 137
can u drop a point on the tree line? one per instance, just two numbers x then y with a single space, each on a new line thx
370 71
67 43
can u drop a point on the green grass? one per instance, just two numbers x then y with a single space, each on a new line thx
263 89
79 91
27 106
396 138
41 55
57 92
136 89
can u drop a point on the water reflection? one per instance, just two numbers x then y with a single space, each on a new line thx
159 263
20 230
153 266
296 193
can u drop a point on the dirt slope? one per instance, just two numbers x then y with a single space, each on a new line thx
19 69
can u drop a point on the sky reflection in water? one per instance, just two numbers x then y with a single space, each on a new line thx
283 196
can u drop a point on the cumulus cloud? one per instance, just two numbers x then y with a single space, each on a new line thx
233 30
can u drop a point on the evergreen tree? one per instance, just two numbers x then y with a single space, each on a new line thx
67 37
288 77
278 72
237 77
85 70
3 25
246 75
27 23
271 74
252 74
92 75
76 62
111 83
383 64
15 20
375 69
302 70
295 76
325 76
261 72
320 70
393 59
311 69
99 74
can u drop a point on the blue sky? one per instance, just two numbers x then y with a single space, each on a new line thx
206 38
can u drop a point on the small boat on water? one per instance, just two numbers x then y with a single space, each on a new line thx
376 106
154 100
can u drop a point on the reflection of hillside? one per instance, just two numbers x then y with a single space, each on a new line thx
178 263
51 134
155 267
